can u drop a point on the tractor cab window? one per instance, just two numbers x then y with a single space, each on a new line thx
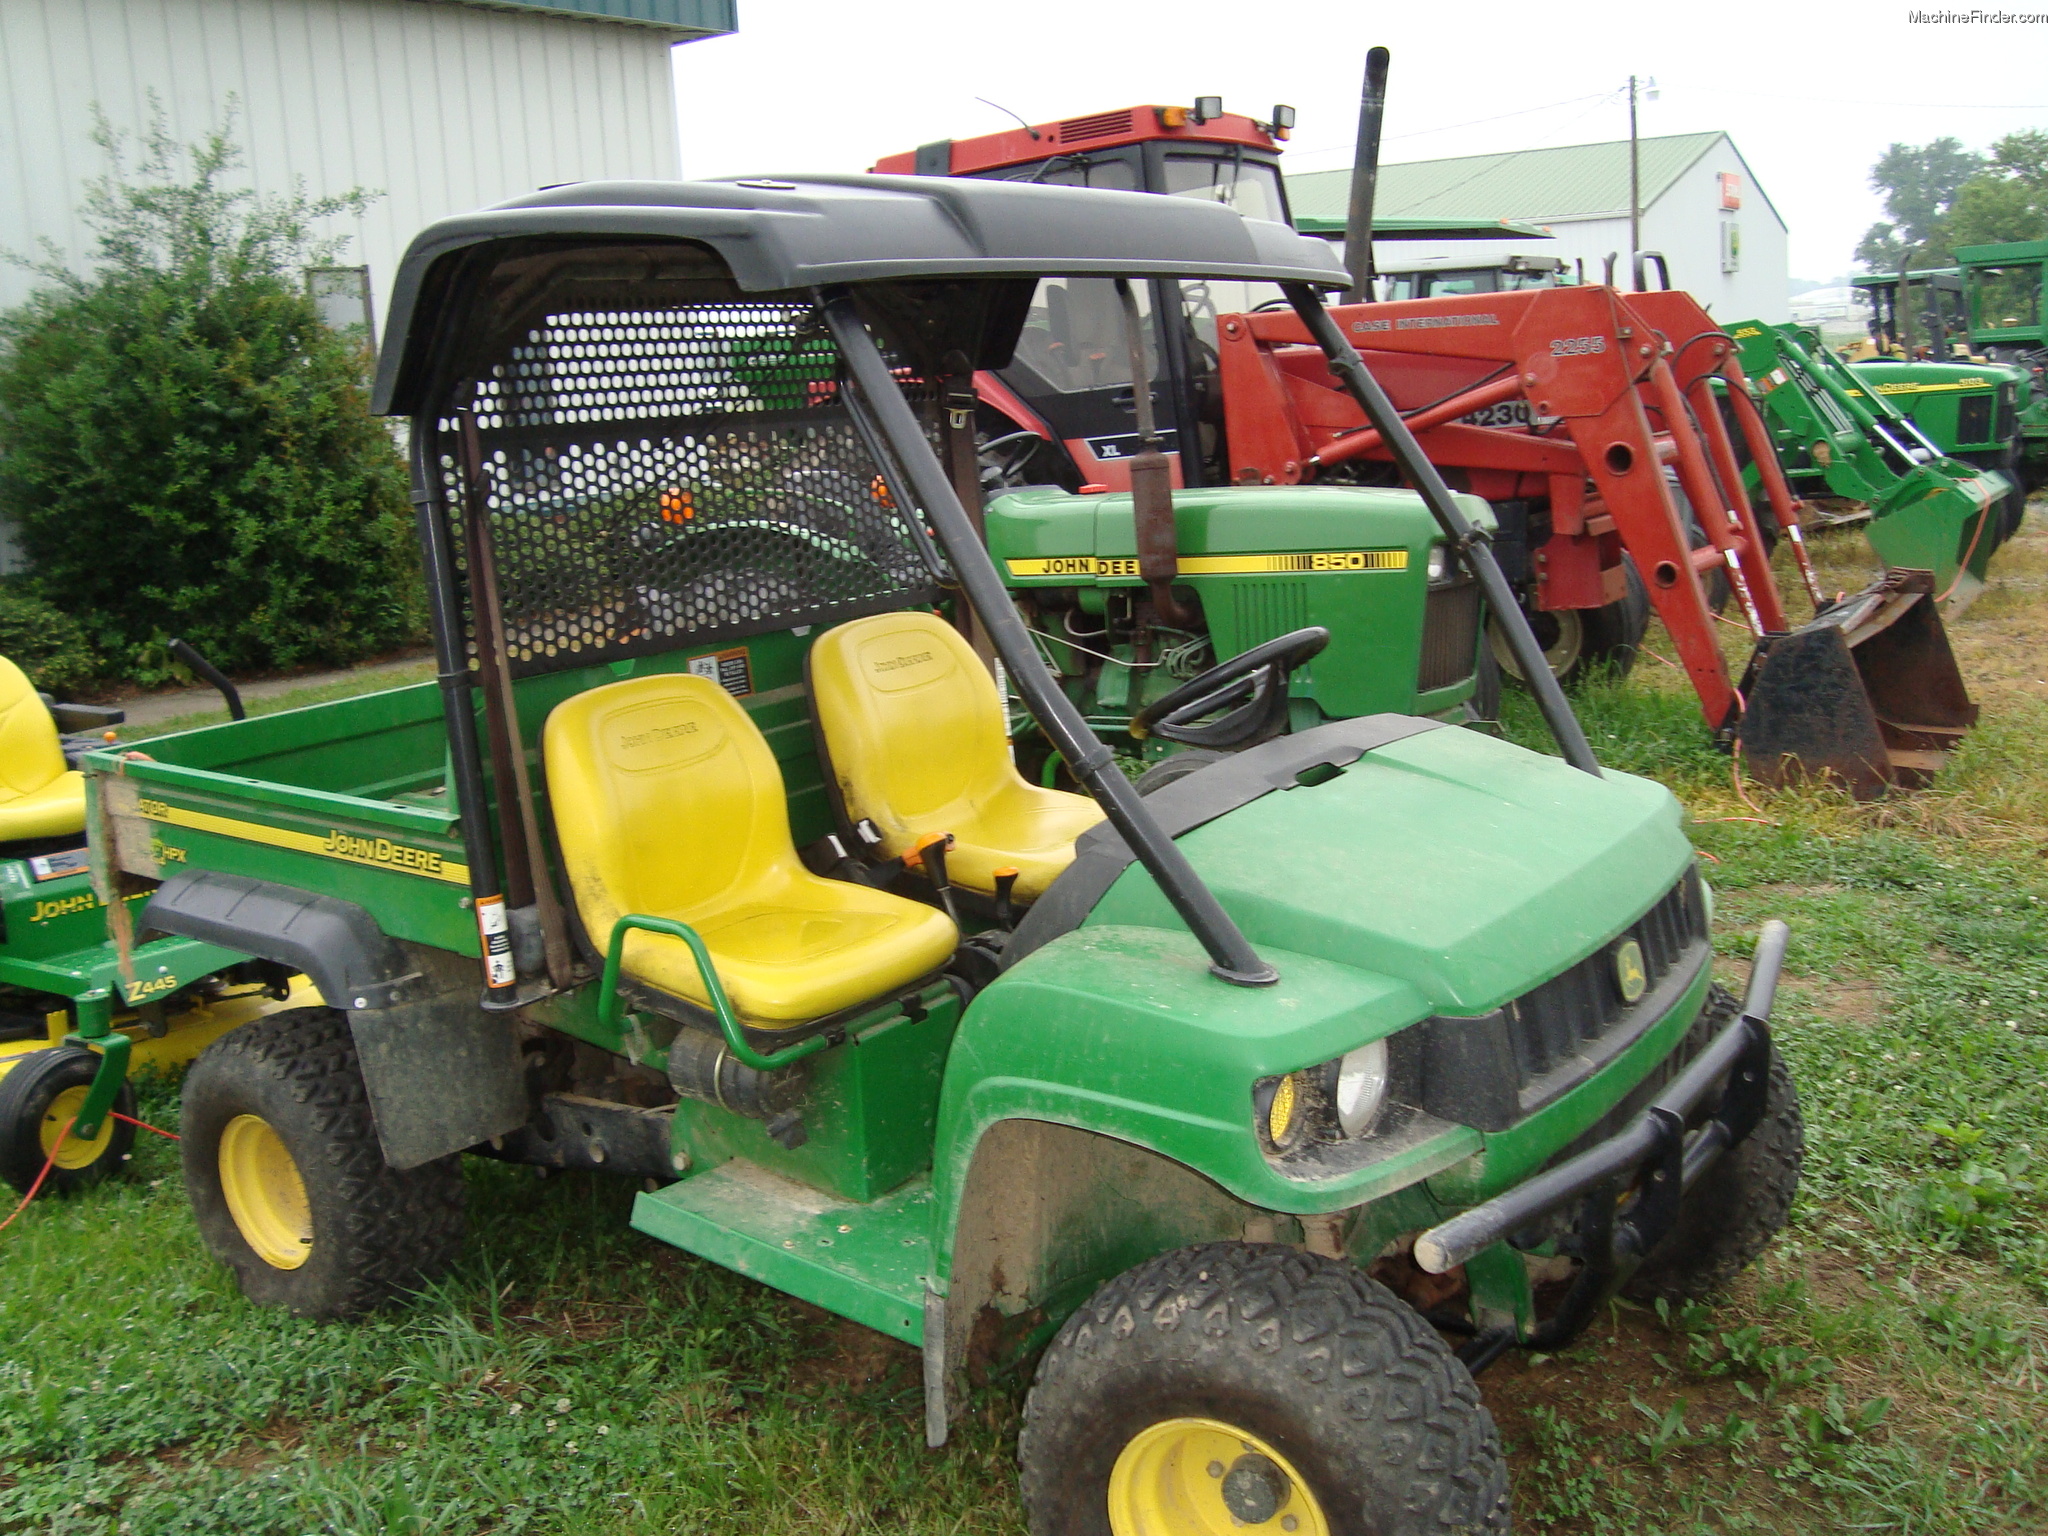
2005 298
1073 339
1252 187
1203 301
1114 173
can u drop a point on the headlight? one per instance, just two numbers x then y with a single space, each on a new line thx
1341 1098
1439 562
1361 1087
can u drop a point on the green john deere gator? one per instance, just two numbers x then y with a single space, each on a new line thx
1251 1106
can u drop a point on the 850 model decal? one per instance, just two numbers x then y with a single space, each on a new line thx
1322 561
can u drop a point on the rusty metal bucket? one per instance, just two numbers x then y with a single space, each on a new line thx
1867 695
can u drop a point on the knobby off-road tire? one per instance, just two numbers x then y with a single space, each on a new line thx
1303 1359
282 1163
1740 1204
38 1097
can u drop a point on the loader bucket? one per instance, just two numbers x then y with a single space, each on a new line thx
1946 518
1868 694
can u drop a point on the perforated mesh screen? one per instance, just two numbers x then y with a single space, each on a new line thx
669 477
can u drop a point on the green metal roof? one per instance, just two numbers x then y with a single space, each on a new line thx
1538 186
1428 229
685 18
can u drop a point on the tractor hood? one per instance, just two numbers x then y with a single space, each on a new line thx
1467 867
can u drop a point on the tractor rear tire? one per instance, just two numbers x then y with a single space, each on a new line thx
1238 1384
38 1097
1171 770
1740 1204
288 1182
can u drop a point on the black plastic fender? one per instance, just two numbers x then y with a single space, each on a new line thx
442 1072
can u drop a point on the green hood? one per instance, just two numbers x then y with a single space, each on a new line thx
1467 867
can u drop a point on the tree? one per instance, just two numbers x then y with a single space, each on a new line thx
2009 199
1919 183
184 448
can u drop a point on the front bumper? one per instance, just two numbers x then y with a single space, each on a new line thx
1654 1152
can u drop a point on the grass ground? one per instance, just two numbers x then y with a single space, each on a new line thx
1881 1370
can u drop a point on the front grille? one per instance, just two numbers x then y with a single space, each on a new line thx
1100 126
1973 419
1551 1025
1265 610
1450 636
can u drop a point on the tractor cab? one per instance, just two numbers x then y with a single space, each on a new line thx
1061 411
2008 315
1917 315
1451 275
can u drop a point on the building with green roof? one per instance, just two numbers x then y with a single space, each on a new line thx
1702 207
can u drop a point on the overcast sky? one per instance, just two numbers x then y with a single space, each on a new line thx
1811 90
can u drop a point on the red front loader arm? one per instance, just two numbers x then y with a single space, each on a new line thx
1594 373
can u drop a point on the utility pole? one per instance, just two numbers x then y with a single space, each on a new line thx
1635 171
1635 181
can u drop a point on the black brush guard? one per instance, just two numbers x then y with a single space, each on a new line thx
1654 1152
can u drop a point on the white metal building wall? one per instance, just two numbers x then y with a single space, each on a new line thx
442 107
1683 222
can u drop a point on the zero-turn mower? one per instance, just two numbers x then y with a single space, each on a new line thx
77 1013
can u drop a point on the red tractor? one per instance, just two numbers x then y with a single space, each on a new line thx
1608 431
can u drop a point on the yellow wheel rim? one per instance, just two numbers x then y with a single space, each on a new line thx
1202 1477
78 1151
264 1192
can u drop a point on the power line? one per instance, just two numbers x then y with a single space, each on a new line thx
1419 133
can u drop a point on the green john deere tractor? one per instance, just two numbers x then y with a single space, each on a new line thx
2008 319
1841 433
1253 1107
1367 567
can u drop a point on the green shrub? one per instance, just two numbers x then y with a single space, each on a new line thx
46 643
184 448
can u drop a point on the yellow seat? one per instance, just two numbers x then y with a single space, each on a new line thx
668 803
918 745
39 796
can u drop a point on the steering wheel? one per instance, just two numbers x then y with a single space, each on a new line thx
1252 685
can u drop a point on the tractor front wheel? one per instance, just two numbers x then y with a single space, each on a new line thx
1234 1385
288 1182
1580 643
38 1099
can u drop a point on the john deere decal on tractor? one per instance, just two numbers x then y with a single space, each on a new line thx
735 887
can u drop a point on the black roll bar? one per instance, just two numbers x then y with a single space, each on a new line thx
1231 955
1469 542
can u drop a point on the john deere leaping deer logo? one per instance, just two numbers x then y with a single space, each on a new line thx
1629 973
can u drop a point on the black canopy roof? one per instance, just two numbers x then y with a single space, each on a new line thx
783 233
